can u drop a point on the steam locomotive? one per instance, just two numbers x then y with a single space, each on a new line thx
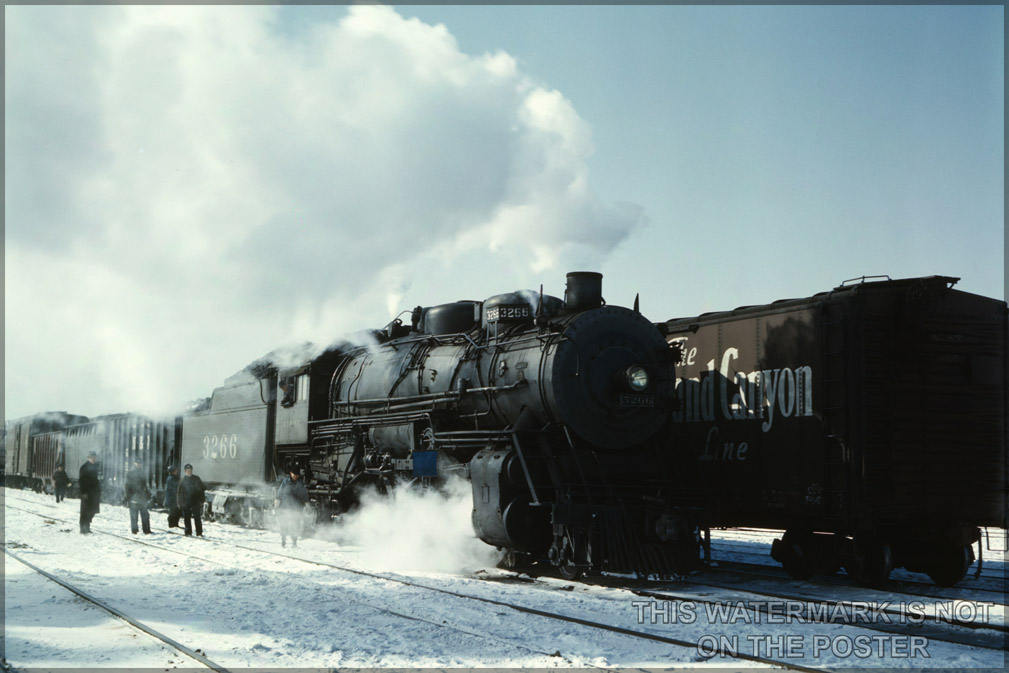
551 408
596 440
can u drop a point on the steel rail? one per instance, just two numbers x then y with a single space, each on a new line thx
534 611
992 584
122 615
383 610
991 641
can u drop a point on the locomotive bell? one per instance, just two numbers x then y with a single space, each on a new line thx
584 290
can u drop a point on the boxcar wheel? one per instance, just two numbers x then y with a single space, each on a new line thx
796 562
950 564
796 553
872 562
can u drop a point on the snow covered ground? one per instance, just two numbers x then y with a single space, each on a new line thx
48 626
252 608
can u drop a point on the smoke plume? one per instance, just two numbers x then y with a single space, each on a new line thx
193 186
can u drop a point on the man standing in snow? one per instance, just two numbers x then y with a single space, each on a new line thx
60 483
91 492
137 496
291 498
172 497
191 497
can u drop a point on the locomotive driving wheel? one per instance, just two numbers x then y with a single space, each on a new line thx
566 559
571 572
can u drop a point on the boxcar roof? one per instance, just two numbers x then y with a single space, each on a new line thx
677 324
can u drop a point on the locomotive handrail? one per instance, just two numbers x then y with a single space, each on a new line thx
376 419
451 339
448 394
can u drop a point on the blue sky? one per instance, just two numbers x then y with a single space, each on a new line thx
777 150
190 187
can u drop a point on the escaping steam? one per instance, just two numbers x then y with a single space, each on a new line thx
412 529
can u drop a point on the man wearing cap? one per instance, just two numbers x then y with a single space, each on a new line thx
191 497
137 496
172 497
91 491
60 483
291 498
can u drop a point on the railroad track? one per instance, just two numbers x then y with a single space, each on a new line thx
149 630
995 584
644 635
990 579
746 547
187 554
974 634
993 589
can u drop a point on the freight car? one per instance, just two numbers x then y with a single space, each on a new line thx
118 439
22 468
868 422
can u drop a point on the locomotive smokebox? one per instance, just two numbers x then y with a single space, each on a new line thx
584 290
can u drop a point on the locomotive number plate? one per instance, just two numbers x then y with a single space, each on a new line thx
508 312
629 400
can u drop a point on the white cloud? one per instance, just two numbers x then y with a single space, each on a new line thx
189 187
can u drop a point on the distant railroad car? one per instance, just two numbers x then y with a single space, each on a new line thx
20 463
118 439
868 421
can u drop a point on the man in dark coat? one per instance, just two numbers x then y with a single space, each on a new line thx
60 482
137 496
291 498
91 492
172 497
191 498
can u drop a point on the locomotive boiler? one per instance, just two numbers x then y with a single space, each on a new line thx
551 408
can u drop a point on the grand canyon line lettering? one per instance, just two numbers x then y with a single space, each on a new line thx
731 395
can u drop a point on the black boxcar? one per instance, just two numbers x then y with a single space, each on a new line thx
869 422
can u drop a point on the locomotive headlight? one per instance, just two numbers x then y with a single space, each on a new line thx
637 378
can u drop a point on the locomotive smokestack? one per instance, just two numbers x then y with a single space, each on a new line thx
584 290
